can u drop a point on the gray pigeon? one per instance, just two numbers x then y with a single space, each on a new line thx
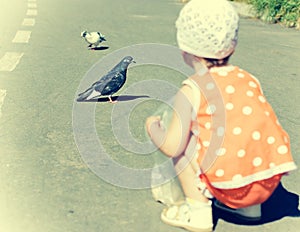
93 38
109 83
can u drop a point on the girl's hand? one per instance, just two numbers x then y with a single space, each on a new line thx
172 141
150 120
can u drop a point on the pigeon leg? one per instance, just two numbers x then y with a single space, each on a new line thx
111 101
93 47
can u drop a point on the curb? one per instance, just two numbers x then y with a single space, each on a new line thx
243 9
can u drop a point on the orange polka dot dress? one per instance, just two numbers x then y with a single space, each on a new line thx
255 149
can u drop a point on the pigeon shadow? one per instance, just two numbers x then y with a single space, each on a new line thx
121 98
100 48
281 204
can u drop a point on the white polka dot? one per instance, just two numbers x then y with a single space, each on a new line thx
198 146
250 93
277 122
211 109
220 151
286 139
206 143
237 177
210 86
223 73
256 135
207 125
229 106
267 113
241 75
220 131
252 84
237 130
257 162
271 140
272 165
262 99
247 110
220 173
283 149
241 153
230 89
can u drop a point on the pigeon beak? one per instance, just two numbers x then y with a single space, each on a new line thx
133 61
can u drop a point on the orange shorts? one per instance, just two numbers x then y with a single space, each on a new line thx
252 194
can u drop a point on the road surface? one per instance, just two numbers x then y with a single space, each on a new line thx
44 183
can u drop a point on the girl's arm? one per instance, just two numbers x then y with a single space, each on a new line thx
173 141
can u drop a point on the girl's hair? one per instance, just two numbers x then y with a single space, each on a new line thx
211 62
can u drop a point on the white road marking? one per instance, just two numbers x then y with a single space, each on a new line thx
2 96
31 12
28 22
22 37
10 61
140 16
31 5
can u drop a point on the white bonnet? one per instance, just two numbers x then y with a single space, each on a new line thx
208 28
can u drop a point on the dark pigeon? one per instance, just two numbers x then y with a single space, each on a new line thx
108 84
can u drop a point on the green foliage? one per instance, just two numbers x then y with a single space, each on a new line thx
245 1
284 11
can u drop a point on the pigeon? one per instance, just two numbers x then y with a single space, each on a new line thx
93 38
109 83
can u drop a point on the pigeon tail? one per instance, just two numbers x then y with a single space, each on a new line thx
93 94
88 94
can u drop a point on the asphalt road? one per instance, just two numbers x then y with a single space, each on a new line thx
44 183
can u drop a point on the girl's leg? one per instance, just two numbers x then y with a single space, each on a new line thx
195 214
187 171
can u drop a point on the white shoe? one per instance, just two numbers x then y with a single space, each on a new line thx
196 217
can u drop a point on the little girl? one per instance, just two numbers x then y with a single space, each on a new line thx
224 137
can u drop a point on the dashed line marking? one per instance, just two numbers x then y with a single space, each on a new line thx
31 12
10 60
31 5
28 22
2 96
22 37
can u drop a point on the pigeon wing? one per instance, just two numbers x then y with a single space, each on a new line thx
116 81
93 38
98 86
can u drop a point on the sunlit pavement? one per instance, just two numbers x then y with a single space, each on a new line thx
44 183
